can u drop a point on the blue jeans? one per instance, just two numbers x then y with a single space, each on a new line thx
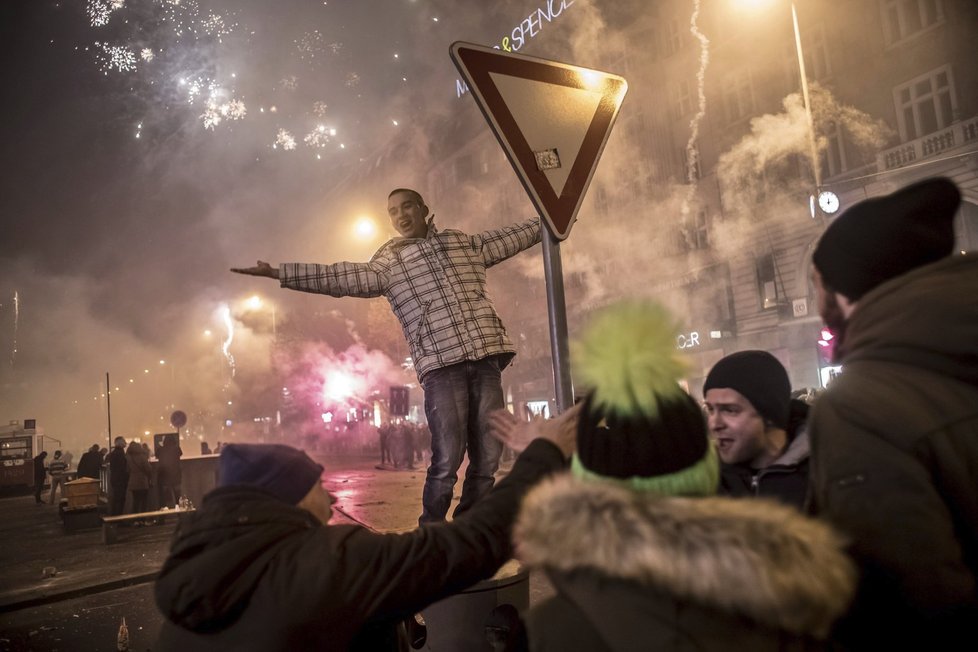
457 402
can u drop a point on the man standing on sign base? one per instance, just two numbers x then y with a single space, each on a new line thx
435 282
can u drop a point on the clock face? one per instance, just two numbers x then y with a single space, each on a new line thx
828 201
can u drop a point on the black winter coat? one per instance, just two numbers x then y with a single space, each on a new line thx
895 459
250 572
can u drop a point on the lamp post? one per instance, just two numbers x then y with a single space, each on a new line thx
824 200
816 170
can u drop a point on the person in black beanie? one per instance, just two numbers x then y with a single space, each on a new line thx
641 553
895 437
257 567
758 428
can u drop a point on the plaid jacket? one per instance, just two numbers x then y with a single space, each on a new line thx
436 286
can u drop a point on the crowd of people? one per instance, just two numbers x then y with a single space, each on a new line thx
754 521
130 474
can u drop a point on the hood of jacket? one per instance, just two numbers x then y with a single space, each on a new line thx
220 554
753 558
926 318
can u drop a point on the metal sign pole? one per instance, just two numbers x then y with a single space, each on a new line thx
557 312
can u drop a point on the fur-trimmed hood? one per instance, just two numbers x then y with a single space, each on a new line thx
749 557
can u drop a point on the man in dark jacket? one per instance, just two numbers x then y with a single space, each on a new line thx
895 437
118 476
40 472
258 568
90 463
758 428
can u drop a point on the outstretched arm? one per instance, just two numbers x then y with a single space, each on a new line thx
261 269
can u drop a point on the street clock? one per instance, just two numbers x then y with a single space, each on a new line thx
828 201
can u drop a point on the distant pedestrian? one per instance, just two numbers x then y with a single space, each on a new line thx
118 477
140 475
204 448
168 474
68 457
40 472
57 469
384 433
90 463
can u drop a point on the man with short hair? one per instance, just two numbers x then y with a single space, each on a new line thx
758 428
895 437
57 469
435 282
257 567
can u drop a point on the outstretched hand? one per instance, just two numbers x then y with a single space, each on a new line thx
517 433
261 269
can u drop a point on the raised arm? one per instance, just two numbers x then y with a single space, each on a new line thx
261 269
500 244
338 279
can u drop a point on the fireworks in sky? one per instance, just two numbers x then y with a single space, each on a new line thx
226 346
212 60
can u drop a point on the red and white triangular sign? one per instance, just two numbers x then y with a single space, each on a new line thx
552 119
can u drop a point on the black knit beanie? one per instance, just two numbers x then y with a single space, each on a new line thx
760 378
285 472
884 237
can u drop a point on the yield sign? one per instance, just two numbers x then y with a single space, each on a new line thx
551 118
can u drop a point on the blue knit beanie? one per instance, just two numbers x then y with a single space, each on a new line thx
285 472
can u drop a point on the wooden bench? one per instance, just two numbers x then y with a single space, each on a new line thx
110 524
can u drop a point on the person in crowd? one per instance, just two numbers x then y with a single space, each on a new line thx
140 476
435 282
204 448
258 566
169 475
40 473
758 428
895 437
90 464
218 448
68 458
57 469
640 551
384 433
118 476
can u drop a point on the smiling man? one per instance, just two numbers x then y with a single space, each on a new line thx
435 282
758 428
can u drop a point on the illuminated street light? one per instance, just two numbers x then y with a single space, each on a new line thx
365 228
255 302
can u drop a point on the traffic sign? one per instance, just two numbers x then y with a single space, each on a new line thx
552 120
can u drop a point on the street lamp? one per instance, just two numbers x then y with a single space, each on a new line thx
255 302
827 201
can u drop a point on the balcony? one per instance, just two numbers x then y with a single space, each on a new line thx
957 135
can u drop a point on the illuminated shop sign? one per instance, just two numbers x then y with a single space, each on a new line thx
528 28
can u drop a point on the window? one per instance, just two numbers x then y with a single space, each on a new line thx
926 104
683 98
767 281
738 96
817 61
699 232
903 19
835 153
674 37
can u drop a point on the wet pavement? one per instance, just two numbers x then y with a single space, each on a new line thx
70 591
